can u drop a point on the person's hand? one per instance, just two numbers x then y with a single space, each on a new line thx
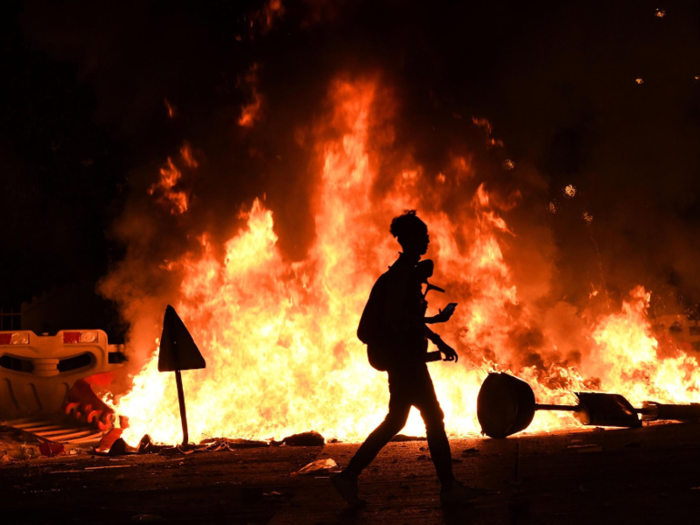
445 314
448 351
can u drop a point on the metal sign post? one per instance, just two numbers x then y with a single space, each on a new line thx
178 351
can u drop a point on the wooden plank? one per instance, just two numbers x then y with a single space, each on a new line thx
65 434
92 438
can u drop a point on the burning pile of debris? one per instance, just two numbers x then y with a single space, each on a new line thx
84 423
146 446
79 422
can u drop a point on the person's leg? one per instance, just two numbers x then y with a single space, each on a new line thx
433 417
399 408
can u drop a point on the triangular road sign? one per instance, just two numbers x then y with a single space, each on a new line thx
178 350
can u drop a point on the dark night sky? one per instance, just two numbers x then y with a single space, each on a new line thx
84 127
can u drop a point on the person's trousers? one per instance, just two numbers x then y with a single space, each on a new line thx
407 388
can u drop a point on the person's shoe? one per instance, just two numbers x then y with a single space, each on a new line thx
347 488
458 493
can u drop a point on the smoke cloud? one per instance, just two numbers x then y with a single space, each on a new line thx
558 89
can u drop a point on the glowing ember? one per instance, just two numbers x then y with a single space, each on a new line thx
187 157
639 80
250 112
587 217
170 108
486 126
660 13
570 191
170 175
265 17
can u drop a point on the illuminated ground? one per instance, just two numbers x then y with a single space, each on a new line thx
648 475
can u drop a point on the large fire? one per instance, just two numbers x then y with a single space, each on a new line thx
279 337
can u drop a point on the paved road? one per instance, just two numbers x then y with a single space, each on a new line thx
648 475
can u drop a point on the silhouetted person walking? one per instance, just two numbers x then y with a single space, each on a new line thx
394 327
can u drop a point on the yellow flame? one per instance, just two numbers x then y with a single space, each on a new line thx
170 175
279 336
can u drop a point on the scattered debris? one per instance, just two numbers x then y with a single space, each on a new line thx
104 467
146 446
587 217
305 439
17 444
586 448
508 164
22 452
402 438
83 405
320 466
552 207
121 448
223 444
146 518
470 451
51 449
108 440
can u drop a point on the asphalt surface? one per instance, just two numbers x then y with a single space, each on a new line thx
647 475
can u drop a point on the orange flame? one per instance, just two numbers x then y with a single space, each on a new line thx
169 107
279 336
250 112
187 157
170 176
266 16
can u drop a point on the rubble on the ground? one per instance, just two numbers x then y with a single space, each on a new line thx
218 444
16 444
305 439
320 466
403 437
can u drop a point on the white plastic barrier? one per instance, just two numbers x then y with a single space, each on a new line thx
36 371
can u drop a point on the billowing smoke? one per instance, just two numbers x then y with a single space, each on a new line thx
600 99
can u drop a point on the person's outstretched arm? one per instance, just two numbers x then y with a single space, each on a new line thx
443 316
447 350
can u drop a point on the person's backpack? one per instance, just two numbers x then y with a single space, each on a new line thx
372 329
